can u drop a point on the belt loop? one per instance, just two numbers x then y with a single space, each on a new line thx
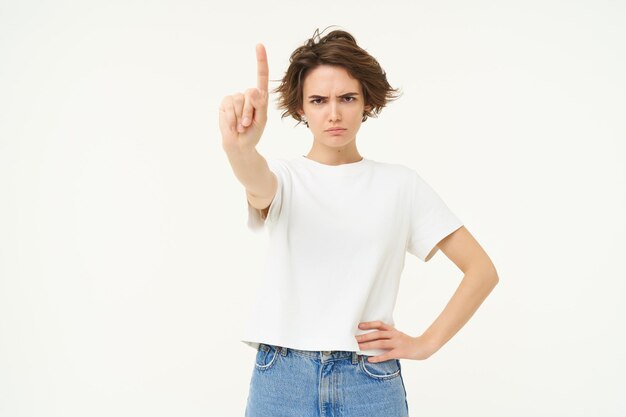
283 350
355 358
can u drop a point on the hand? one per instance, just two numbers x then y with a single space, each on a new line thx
243 116
401 345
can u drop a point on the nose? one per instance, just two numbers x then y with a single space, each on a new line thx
334 112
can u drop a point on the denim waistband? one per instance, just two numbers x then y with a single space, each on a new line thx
323 355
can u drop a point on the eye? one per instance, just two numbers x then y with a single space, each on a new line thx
349 99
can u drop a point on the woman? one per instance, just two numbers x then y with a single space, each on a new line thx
339 226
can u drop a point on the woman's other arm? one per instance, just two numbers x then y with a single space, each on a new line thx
480 277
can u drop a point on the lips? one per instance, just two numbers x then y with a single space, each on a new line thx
335 129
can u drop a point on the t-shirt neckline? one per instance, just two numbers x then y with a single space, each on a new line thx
340 167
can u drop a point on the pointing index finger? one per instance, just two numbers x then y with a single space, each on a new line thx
262 68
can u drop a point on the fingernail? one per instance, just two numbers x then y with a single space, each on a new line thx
240 127
246 121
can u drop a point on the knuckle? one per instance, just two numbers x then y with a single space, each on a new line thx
251 97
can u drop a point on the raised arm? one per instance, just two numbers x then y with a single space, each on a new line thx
242 120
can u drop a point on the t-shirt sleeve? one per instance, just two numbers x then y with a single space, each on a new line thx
256 221
431 220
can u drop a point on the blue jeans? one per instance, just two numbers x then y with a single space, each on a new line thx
302 383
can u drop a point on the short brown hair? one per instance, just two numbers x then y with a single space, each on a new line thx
338 48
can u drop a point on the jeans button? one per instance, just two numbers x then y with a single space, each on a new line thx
326 352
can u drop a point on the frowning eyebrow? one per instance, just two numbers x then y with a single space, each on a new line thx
343 95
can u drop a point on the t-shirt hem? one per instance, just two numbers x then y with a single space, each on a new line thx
368 352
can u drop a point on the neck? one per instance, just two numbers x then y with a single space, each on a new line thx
334 156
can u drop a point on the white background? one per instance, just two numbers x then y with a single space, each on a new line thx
125 262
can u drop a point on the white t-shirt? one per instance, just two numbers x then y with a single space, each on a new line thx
338 237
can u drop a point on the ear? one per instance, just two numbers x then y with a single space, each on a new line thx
368 108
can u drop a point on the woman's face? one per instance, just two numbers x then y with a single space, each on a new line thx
331 98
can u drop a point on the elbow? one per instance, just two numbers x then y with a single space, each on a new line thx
496 279
488 275
493 276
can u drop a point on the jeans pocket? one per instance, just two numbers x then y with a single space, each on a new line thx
380 370
265 357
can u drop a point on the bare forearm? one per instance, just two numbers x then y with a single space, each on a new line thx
472 291
251 170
